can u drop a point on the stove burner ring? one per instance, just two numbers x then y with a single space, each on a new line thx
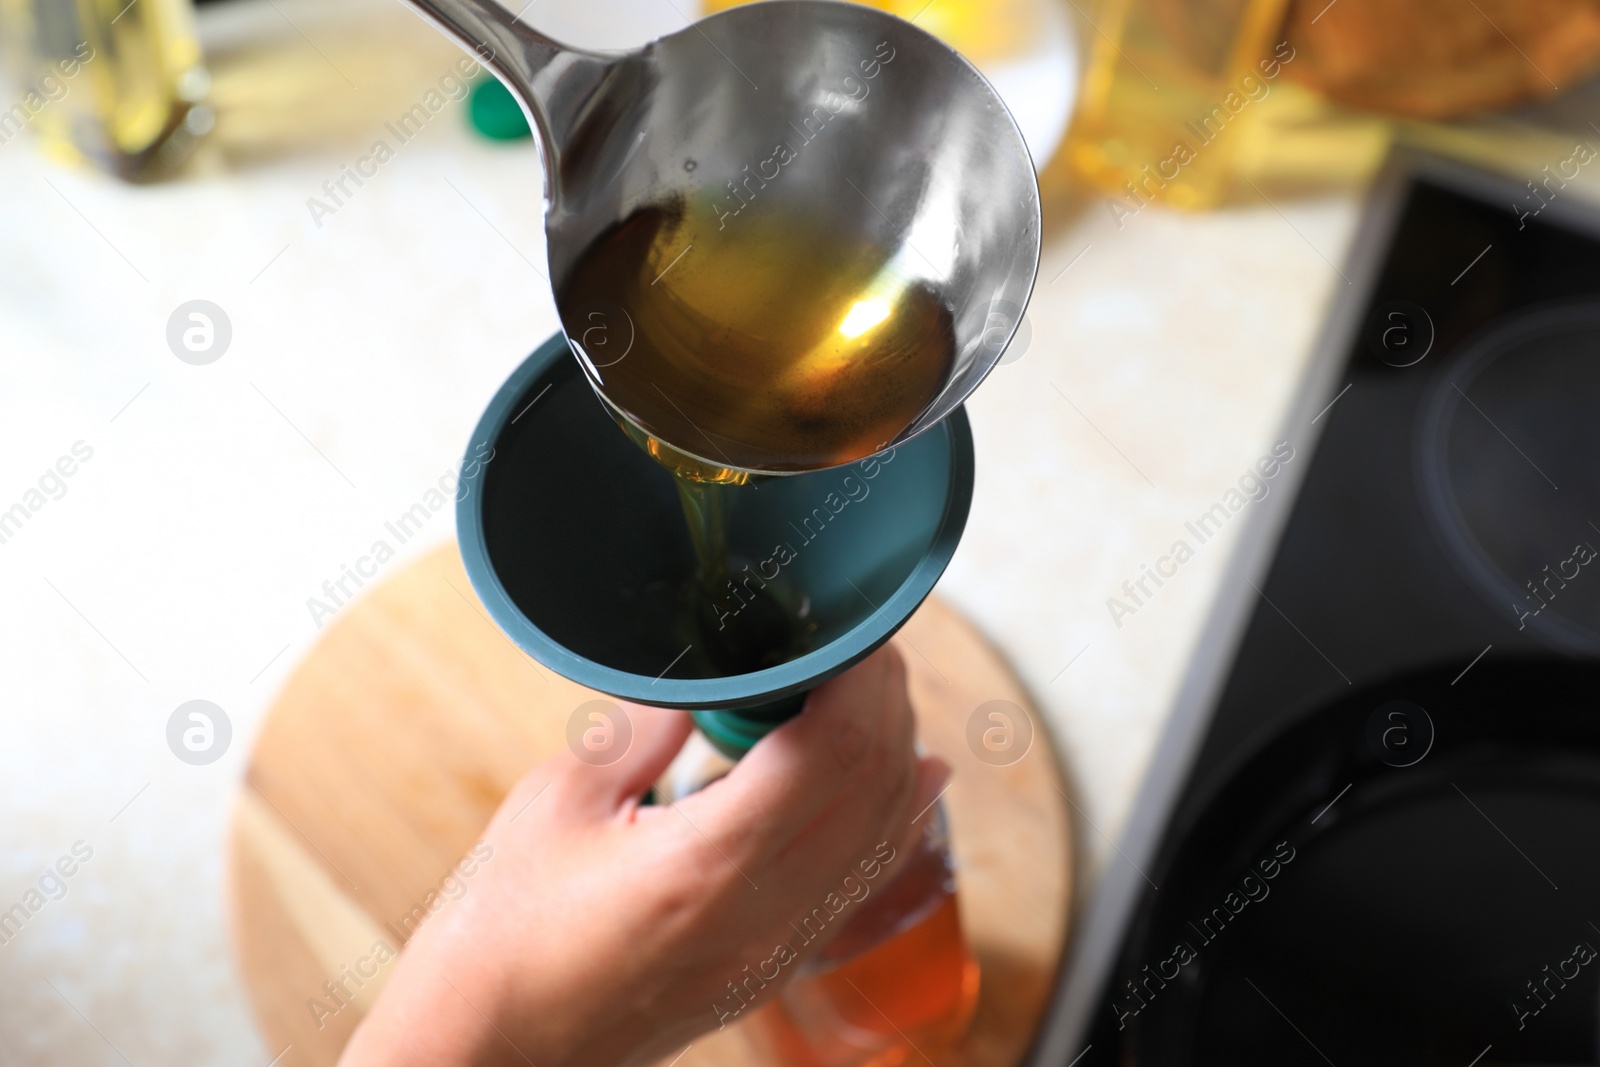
1508 465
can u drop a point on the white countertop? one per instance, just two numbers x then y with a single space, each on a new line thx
218 498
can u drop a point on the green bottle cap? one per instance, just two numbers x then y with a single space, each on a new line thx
495 113
735 732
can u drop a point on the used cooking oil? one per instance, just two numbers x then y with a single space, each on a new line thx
764 344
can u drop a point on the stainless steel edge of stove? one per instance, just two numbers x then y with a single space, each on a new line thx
1100 927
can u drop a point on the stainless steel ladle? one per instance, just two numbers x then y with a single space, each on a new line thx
896 141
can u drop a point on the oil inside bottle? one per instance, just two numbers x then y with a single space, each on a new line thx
898 984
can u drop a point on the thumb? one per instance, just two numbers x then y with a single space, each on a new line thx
642 742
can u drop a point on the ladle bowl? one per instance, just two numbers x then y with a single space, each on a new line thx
847 117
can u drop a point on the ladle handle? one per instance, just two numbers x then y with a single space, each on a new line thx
551 80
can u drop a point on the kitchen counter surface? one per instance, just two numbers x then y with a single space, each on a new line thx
209 503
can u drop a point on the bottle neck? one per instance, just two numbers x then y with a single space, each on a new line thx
735 731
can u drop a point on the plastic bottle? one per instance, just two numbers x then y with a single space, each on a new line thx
897 982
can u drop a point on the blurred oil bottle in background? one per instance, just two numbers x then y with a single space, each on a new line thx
981 30
1172 91
117 82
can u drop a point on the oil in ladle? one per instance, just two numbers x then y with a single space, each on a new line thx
769 345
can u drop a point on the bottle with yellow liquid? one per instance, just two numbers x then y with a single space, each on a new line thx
896 983
116 82
1173 90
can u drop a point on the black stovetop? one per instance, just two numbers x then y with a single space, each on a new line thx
1412 712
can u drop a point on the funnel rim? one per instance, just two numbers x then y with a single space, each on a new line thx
756 687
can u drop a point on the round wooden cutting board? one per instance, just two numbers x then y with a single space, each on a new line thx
394 741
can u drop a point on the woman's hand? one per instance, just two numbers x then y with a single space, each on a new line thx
606 933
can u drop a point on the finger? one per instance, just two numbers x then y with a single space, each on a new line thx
851 747
818 868
841 838
649 739
527 790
